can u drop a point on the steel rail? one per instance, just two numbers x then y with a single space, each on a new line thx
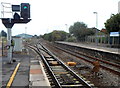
57 84
71 71
118 66
76 55
47 66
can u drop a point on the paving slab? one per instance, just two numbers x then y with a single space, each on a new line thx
22 80
35 66
34 61
35 71
36 77
40 83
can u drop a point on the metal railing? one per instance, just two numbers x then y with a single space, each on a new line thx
6 10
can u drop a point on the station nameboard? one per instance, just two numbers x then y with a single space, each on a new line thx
114 33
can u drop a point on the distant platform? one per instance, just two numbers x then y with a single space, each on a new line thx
94 47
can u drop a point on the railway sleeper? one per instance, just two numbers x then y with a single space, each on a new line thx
50 59
66 80
72 86
57 67
59 70
54 63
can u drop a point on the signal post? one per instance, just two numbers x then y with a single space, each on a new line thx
24 17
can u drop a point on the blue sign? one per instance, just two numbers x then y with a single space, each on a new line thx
114 33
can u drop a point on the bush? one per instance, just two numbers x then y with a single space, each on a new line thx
71 39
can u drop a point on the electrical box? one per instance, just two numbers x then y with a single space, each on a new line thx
18 46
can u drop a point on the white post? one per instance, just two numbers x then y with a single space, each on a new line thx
96 32
9 44
66 28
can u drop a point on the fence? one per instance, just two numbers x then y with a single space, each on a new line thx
3 43
104 39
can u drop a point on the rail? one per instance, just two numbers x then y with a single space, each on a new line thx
61 75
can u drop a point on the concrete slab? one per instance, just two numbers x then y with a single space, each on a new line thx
35 71
20 83
21 78
34 66
32 58
37 77
5 77
34 61
41 83
45 76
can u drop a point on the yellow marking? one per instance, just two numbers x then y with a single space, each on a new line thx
12 77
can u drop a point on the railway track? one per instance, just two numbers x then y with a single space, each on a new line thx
59 74
114 68
89 56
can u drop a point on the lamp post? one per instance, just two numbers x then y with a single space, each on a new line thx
25 31
66 27
96 31
66 30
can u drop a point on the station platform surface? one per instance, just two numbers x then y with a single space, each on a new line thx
94 47
37 75
30 73
21 77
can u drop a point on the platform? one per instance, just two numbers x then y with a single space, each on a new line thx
94 47
29 74
37 76
21 77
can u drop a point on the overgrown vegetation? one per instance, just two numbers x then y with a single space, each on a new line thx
113 24
56 36
80 30
77 31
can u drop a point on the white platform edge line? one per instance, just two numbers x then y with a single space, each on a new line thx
44 74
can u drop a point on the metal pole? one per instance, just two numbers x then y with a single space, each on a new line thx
25 31
66 28
96 32
2 45
9 38
96 28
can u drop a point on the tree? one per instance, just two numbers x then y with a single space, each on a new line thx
113 24
55 36
47 36
80 30
3 33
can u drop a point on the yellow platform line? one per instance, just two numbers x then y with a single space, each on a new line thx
12 76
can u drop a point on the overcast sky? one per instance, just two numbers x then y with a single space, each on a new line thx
49 15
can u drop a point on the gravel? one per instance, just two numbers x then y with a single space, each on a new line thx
103 79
